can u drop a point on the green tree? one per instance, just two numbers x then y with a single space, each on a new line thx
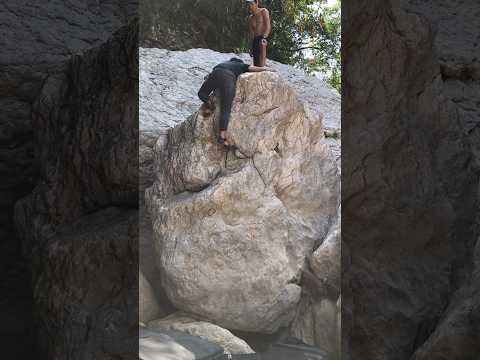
325 45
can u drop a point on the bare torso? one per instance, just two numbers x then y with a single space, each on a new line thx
256 23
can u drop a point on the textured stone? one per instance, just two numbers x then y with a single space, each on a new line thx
87 140
233 235
198 327
32 50
147 302
317 324
83 290
410 198
457 335
175 345
38 38
318 319
169 82
72 142
325 262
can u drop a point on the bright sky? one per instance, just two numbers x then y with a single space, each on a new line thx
329 3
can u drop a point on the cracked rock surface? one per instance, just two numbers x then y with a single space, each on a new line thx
85 118
169 82
233 234
38 41
410 195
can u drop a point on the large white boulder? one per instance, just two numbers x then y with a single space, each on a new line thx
233 234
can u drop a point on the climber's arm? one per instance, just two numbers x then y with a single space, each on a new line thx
266 20
253 68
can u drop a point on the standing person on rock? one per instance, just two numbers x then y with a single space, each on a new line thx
259 28
224 78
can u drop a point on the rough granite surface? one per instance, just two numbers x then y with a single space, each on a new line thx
410 180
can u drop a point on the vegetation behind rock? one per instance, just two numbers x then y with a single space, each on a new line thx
305 33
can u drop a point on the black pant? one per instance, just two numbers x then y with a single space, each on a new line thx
225 82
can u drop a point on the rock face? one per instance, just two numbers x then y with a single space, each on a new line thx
233 234
83 290
87 133
317 324
72 190
169 82
457 335
31 51
411 178
37 40
197 327
317 321
148 306
326 262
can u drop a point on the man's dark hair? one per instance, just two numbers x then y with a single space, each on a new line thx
236 59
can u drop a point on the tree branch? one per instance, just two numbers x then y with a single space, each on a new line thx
304 48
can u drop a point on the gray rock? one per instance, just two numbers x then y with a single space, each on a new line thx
198 327
233 235
317 324
85 293
147 303
175 345
83 290
32 51
77 141
326 262
457 335
318 319
410 179
169 82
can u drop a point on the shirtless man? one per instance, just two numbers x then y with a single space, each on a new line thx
259 28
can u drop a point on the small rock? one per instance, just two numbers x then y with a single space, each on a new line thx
194 326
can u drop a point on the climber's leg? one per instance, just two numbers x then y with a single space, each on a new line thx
227 94
263 52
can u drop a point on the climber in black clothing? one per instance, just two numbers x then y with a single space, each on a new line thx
223 78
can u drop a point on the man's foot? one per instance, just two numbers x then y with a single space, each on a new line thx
223 138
